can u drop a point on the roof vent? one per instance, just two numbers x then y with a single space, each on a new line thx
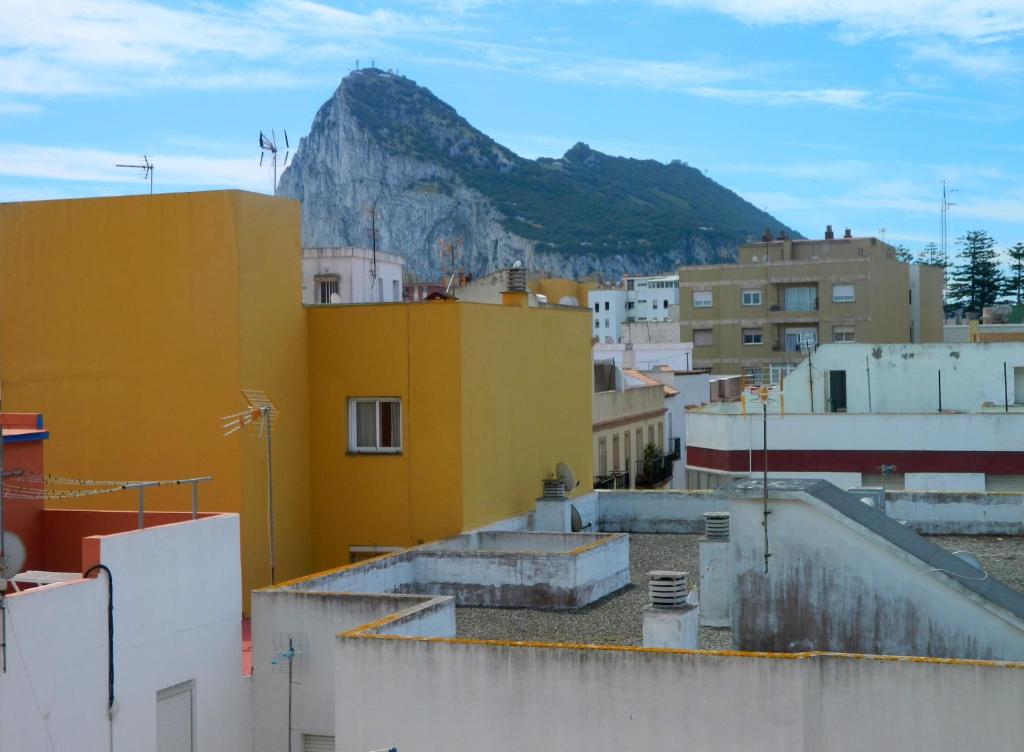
767 237
554 489
829 235
716 526
847 233
667 589
516 278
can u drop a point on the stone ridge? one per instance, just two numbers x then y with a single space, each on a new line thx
383 142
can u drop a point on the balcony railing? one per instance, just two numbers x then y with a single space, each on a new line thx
654 474
612 481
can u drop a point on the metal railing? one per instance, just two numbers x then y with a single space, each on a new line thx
654 474
616 480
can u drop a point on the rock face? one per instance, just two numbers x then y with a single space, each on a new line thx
383 144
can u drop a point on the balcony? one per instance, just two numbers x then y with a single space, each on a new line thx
612 481
654 473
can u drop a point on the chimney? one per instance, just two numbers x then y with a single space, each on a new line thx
515 293
829 235
671 620
782 234
767 237
847 234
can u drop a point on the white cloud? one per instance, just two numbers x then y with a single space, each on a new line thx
975 20
983 63
847 98
17 108
98 166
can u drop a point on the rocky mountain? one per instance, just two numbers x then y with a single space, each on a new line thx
381 143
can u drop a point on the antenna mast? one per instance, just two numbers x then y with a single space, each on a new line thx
269 144
946 204
147 168
371 213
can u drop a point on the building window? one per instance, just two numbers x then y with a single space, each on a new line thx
597 307
606 305
327 288
630 305
665 303
375 425
629 284
597 323
703 338
843 294
607 324
396 291
655 304
752 337
751 297
702 299
843 334
800 298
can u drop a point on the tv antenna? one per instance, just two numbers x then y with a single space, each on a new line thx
269 144
944 227
448 252
260 417
372 215
147 168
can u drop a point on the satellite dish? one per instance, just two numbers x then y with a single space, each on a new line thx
14 556
564 473
575 521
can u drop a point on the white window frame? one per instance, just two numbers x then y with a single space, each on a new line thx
851 298
750 332
708 302
353 448
844 330
751 293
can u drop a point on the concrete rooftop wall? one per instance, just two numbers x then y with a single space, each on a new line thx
442 695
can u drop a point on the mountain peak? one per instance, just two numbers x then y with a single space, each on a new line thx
384 141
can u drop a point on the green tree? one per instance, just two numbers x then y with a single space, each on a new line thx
978 281
930 255
1015 279
903 254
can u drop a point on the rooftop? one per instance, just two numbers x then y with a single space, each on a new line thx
617 619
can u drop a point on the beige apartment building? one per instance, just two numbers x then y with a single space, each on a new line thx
760 316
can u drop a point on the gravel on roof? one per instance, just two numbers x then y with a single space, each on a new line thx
617 620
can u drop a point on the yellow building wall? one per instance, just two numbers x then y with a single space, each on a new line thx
121 320
526 405
410 351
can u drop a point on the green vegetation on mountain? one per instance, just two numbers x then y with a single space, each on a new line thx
585 202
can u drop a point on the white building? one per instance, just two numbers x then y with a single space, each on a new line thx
647 356
928 417
175 650
652 298
609 311
351 275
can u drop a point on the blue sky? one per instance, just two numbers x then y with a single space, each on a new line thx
842 112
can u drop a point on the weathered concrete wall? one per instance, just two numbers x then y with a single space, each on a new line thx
312 619
493 568
834 585
656 511
958 513
442 695
715 582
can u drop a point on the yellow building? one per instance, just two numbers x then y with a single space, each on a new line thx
466 408
132 324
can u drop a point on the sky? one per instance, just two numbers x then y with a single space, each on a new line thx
843 112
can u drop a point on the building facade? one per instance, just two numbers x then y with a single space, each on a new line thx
652 298
932 417
351 275
784 297
431 418
609 312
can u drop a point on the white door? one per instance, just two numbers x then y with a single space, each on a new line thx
174 731
317 743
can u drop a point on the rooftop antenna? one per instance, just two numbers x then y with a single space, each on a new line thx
944 227
371 214
147 168
448 253
260 417
269 144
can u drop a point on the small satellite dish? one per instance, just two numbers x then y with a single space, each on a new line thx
564 473
575 520
14 556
